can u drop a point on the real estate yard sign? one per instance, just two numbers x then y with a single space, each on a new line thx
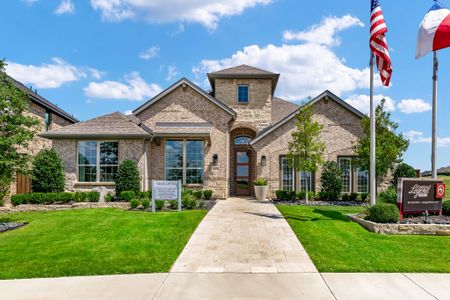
166 190
420 195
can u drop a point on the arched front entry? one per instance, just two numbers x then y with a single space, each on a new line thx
242 162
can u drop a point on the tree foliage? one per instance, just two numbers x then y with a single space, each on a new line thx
402 170
331 178
17 129
390 145
48 172
127 178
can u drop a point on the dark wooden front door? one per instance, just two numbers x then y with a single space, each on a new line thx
242 175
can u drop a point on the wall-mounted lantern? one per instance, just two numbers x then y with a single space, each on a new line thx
215 159
263 160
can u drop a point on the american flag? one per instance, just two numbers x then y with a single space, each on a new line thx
378 43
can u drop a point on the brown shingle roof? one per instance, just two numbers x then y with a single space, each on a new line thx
114 125
281 109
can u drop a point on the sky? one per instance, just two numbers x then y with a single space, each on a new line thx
93 57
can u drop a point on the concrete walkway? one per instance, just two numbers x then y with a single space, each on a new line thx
244 236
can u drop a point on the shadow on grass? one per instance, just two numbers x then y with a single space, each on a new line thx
328 215
5 220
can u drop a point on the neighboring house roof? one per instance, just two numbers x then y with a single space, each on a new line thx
244 72
327 94
193 86
179 129
38 99
114 125
282 108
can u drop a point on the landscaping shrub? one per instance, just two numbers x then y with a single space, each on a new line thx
363 197
80 197
134 203
328 196
311 195
198 194
159 204
402 170
281 194
127 195
144 195
48 175
345 197
188 202
446 208
353 197
146 203
207 194
127 178
93 196
109 198
173 204
383 213
388 196
43 198
331 180
201 204
301 195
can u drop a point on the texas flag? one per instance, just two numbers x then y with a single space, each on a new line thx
434 32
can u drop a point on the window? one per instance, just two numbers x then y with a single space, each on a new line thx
47 120
363 181
305 181
345 163
287 175
184 161
97 161
242 140
242 94
355 180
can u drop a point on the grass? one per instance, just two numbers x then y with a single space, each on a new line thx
447 182
94 242
336 244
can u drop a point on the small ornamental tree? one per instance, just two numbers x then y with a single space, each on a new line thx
306 148
402 170
127 178
48 175
17 129
331 179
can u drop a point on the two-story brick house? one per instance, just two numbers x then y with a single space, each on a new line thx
220 140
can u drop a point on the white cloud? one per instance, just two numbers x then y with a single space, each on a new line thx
307 69
362 102
172 72
410 106
65 7
51 75
128 112
134 89
417 137
150 53
325 32
205 12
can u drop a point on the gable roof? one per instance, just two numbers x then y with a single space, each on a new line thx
114 125
38 99
327 94
244 72
194 87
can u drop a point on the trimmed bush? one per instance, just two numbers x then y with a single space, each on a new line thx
388 196
363 197
80 197
127 195
345 197
159 204
301 195
353 197
48 175
331 180
134 203
207 194
189 202
383 213
43 198
446 208
109 198
145 203
127 178
93 196
280 194
402 170
201 204
328 196
198 194
173 204
311 195
145 195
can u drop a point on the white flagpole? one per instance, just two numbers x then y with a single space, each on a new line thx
434 126
372 175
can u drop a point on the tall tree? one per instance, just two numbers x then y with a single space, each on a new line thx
390 145
306 148
17 129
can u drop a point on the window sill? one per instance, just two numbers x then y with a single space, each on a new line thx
193 185
94 184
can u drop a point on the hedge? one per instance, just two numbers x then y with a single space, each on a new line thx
383 213
50 198
446 208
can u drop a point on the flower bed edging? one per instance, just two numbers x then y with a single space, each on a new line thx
412 229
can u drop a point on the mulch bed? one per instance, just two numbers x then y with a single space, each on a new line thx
319 203
5 226
432 219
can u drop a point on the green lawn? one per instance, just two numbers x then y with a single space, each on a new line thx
94 242
447 182
336 244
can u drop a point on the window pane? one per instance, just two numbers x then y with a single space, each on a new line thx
242 157
108 173
109 153
87 173
87 153
287 175
174 154
194 154
346 166
194 176
305 181
242 171
243 93
363 181
242 140
174 174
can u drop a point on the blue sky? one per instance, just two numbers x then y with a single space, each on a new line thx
94 57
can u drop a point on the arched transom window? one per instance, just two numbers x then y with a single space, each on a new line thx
242 140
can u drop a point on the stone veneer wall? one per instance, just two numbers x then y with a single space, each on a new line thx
187 105
341 131
67 149
257 112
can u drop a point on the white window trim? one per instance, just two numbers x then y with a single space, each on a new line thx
351 175
299 174
283 162
97 165
357 181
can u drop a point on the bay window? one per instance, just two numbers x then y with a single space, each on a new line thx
97 161
184 160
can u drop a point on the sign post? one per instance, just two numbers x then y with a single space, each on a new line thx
166 190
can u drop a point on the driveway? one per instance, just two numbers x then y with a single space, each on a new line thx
244 236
